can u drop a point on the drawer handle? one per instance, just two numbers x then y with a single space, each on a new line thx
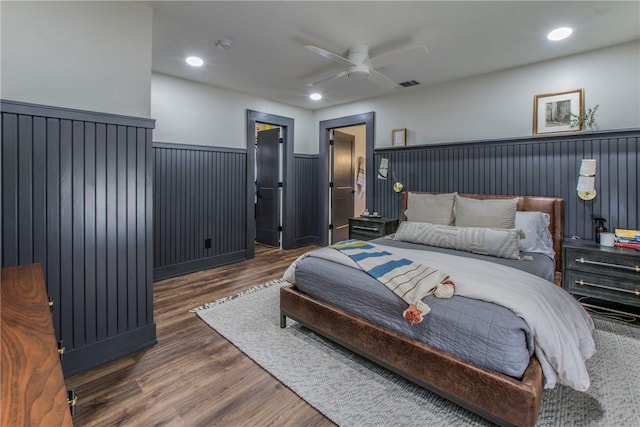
635 268
72 401
595 285
359 227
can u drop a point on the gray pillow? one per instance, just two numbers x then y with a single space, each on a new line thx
485 241
432 208
493 213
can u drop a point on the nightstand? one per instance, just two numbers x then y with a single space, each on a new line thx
367 228
604 273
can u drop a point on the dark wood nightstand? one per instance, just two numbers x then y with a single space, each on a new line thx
367 228
603 273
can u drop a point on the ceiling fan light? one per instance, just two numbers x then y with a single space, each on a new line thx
358 74
360 71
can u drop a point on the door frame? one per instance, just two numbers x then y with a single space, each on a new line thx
286 124
367 119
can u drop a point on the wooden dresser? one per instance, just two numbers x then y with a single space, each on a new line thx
32 385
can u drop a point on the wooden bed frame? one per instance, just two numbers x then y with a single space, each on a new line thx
492 395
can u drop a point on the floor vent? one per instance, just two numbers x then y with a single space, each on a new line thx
409 83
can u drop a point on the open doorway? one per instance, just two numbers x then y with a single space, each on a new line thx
279 168
347 176
268 190
362 127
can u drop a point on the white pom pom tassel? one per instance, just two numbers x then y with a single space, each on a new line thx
445 290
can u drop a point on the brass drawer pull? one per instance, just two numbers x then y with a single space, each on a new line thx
360 227
72 400
635 268
595 285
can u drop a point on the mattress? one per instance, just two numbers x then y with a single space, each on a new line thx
481 332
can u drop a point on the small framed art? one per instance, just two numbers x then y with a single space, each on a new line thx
552 112
398 137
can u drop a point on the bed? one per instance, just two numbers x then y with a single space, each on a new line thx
511 398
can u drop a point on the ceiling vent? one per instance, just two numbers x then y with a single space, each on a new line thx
409 83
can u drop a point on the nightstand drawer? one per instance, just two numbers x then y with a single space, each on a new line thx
371 228
368 228
606 287
599 262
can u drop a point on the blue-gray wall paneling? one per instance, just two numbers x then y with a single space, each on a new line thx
545 166
76 198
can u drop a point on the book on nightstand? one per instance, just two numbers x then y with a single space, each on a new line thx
626 238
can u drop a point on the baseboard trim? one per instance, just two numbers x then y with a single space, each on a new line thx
103 351
306 241
174 270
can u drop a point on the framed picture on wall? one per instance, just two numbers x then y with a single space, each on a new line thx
398 137
552 112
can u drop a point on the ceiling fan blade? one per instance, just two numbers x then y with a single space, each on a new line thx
380 79
327 78
329 55
398 56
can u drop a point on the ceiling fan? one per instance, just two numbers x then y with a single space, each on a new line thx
360 66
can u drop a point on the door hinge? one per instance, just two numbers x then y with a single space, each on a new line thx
279 228
331 185
330 226
280 184
331 142
281 140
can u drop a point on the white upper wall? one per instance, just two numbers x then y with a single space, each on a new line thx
500 105
92 56
188 112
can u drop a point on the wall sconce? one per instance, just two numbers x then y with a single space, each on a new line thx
587 179
383 173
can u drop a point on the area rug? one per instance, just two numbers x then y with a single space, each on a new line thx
351 391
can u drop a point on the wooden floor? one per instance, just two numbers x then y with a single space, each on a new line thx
193 376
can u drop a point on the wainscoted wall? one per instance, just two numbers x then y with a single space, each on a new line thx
306 203
199 194
77 198
545 166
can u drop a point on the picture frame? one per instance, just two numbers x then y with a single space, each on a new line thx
399 137
553 112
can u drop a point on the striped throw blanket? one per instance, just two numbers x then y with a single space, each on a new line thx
409 280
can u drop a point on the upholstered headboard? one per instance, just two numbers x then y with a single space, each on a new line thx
553 206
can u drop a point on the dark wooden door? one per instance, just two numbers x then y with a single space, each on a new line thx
267 178
342 190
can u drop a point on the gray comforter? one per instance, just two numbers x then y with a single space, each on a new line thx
478 331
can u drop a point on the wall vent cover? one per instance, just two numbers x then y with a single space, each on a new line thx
409 83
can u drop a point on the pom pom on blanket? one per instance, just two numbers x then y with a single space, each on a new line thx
413 315
445 289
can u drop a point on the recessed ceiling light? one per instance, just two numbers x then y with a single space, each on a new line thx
194 61
315 96
560 33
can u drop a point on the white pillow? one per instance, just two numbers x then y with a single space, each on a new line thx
537 237
491 213
479 240
431 208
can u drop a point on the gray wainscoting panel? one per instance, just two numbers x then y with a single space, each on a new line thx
306 218
541 166
199 194
76 198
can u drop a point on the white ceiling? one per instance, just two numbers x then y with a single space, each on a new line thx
464 38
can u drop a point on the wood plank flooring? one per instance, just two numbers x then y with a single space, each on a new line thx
193 376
